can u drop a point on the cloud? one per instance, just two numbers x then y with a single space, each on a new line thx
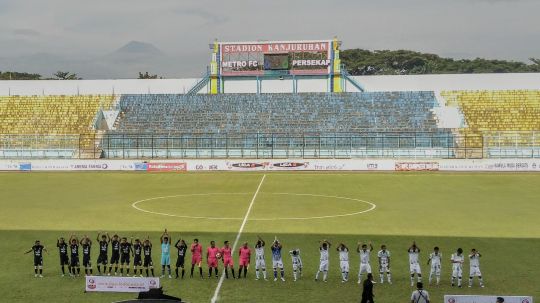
208 17
25 32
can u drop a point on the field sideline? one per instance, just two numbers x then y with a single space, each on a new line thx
495 213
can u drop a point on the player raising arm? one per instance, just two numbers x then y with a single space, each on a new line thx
343 251
196 257
147 251
63 252
457 260
165 240
103 240
474 268
38 250
414 264
384 264
277 260
260 263
86 244
435 261
245 258
365 266
181 246
324 247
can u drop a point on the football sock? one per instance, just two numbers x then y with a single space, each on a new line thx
264 273
389 277
176 272
325 275
78 270
232 271
191 275
316 275
147 272
127 270
209 271
481 281
470 281
257 273
282 273
459 281
245 271
183 272
294 274
226 273
40 271
169 269
216 271
152 269
63 270
438 279
200 271
419 278
275 274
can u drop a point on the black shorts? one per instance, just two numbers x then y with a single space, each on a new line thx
74 261
115 258
64 260
137 261
86 261
180 262
102 259
124 259
38 261
148 262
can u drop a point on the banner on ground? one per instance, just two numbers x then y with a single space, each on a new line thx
486 299
120 284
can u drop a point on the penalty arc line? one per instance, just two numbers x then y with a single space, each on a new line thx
218 287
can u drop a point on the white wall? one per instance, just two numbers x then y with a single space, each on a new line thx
179 86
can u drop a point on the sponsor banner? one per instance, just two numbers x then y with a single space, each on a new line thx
490 165
275 47
166 166
486 299
120 284
417 166
25 166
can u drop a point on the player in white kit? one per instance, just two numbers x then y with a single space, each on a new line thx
260 264
324 259
364 253
457 266
435 261
277 260
343 261
384 264
474 269
296 263
414 264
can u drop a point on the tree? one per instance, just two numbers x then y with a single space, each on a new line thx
59 75
8 75
146 75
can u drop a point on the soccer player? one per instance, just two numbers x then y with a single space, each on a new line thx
414 264
384 264
196 257
103 240
474 268
343 251
324 247
277 260
260 263
165 240
181 246
137 257
38 250
115 254
147 250
63 252
226 253
435 261
245 258
212 253
364 253
86 244
74 266
457 266
125 251
296 263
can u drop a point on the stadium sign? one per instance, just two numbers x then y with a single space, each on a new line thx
120 284
486 299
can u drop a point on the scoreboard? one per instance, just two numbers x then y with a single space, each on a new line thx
275 57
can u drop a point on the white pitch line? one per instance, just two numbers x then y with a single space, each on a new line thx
218 288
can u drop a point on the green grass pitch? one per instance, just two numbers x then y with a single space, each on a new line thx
496 213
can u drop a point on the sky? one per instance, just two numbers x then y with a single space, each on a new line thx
78 30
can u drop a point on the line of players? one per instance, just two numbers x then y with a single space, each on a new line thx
122 250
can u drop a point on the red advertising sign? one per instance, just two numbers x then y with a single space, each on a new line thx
167 166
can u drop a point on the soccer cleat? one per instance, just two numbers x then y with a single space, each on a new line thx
470 286
35 276
108 274
275 279
63 275
141 276
41 276
257 279
316 279
325 281
170 277
127 275
359 281
452 284
162 276
294 280
282 279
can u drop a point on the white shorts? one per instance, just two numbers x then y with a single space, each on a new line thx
260 264
435 269
457 271
365 268
475 271
277 264
344 266
297 266
323 266
384 268
414 268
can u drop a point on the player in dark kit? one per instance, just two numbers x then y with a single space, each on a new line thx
74 266
115 254
38 258
103 249
147 251
137 257
63 252
125 252
182 248
86 244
